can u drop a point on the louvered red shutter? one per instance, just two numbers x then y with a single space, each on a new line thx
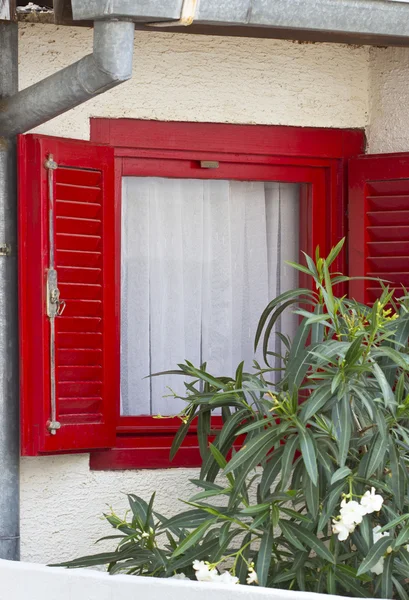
378 217
69 401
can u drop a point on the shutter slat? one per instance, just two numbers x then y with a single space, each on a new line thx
379 224
86 369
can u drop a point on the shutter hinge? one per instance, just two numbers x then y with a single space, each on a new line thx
5 250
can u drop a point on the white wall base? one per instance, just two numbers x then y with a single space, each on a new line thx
24 581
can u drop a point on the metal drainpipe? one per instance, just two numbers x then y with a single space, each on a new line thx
109 65
9 408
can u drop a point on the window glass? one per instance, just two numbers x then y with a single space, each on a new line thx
200 260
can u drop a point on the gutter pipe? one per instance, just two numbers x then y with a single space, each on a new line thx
109 65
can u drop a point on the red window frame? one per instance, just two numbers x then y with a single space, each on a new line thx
314 157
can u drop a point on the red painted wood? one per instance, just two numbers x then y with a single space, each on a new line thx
378 223
217 137
314 157
86 346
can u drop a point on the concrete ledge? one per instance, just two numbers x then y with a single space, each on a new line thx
25 581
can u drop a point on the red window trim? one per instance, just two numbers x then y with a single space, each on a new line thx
293 154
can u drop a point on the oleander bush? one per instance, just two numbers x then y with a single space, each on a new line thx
306 484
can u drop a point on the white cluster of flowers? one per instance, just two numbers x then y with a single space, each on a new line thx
352 513
205 573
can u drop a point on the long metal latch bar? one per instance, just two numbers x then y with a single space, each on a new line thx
55 306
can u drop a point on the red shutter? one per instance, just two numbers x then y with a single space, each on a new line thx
378 223
78 178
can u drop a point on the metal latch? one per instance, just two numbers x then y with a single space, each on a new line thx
209 164
55 306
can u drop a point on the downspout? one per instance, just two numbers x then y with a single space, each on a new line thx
9 408
109 65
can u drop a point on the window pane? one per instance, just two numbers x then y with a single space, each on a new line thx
200 261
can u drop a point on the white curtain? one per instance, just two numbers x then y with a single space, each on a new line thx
200 261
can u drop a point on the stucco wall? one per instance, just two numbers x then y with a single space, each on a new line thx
176 77
388 129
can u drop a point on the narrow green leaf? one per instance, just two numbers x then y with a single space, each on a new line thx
403 595
376 455
374 555
193 538
290 447
341 473
386 580
346 428
315 402
308 453
270 471
403 536
334 500
264 555
312 541
312 497
394 522
289 535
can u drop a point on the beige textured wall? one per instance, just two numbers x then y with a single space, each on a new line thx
199 78
388 129
176 77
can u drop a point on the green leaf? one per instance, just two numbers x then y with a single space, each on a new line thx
271 306
352 585
346 427
335 251
242 567
394 522
264 555
270 471
403 595
334 499
193 538
374 555
398 478
265 440
180 435
386 389
309 539
312 497
376 454
308 453
289 535
403 536
315 402
355 351
290 447
341 473
386 580
203 432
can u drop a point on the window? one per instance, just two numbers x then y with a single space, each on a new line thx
195 248
200 261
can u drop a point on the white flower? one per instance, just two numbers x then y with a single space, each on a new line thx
378 568
376 535
371 502
342 529
227 578
351 513
252 576
203 573
179 576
